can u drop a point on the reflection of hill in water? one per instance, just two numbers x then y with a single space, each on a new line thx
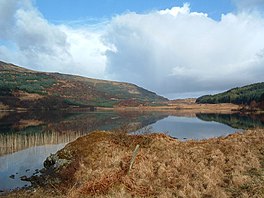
19 131
239 121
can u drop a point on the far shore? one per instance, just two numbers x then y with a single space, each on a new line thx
193 107
174 108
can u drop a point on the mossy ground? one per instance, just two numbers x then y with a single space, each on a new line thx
231 166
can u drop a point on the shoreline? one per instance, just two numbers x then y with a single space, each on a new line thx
99 163
175 107
198 108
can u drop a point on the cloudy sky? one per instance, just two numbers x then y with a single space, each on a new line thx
172 47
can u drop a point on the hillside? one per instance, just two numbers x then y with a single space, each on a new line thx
23 88
252 95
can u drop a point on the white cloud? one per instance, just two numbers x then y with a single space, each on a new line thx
173 51
176 51
87 51
175 11
38 44
7 10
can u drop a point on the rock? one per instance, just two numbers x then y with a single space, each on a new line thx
49 174
42 170
55 163
23 178
12 176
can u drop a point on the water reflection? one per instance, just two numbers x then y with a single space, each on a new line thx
19 131
27 138
23 163
236 120
23 130
191 128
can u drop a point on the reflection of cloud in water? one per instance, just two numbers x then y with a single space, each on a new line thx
61 128
191 128
20 162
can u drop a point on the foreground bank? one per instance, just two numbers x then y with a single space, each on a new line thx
101 164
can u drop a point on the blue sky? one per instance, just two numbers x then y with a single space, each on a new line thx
174 48
70 10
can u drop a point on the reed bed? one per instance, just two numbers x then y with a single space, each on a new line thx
13 142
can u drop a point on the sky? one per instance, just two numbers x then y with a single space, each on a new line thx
175 48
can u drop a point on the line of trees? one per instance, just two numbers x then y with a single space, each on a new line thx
246 95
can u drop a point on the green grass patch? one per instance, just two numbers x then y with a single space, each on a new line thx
28 82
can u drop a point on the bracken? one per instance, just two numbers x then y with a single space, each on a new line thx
229 166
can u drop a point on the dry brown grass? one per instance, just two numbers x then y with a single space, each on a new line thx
3 113
3 107
26 123
187 108
231 166
27 96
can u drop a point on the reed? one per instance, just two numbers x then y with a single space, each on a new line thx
13 142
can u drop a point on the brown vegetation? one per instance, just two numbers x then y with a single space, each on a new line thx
3 113
183 101
231 166
25 129
22 88
3 107
26 123
13 142
186 107
27 96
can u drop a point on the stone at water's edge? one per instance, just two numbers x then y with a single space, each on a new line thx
55 163
48 175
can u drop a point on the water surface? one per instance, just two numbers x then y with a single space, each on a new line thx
191 128
27 138
23 163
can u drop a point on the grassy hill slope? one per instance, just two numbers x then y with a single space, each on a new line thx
20 87
248 95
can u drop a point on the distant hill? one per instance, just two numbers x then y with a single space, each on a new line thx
23 88
183 101
252 95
